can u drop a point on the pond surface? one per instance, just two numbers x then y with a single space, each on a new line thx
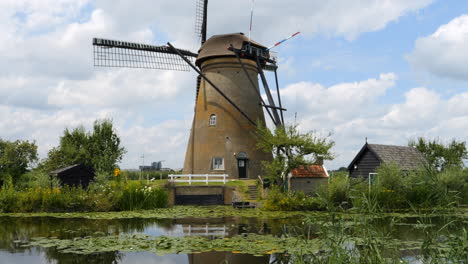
49 239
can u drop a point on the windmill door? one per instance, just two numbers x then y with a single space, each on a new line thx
242 167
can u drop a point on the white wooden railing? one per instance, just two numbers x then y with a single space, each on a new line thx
205 230
206 178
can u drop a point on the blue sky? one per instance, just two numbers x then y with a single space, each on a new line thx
388 70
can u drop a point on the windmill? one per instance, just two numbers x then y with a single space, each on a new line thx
228 102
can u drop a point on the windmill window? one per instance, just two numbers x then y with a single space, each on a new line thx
213 120
218 163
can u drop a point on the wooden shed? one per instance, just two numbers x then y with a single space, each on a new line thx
308 179
74 175
371 156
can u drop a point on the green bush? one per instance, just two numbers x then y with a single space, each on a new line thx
390 187
290 201
70 199
136 196
336 193
8 200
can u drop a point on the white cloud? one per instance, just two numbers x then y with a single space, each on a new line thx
327 102
48 82
352 112
421 104
121 88
445 52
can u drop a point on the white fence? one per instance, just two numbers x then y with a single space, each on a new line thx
206 178
207 230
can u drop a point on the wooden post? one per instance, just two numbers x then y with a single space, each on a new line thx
206 179
190 179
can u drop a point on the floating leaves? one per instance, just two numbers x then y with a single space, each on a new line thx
162 245
174 212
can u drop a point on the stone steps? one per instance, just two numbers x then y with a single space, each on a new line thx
252 192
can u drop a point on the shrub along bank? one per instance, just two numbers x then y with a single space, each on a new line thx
96 198
393 189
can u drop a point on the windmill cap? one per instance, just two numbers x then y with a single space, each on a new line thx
217 46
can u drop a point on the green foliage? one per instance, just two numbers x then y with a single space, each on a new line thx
390 187
36 178
439 155
136 196
290 149
290 201
70 199
339 189
394 189
99 150
16 158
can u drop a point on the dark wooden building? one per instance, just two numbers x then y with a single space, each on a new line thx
75 175
372 156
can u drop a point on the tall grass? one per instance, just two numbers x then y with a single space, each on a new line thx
136 196
364 239
112 197
393 189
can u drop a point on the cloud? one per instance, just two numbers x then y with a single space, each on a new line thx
48 82
445 52
352 112
273 20
327 102
121 88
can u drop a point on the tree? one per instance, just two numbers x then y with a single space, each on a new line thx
16 158
105 147
290 150
99 150
439 155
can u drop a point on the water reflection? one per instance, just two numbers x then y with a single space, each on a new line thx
16 230
226 257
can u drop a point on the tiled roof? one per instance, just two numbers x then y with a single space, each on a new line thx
311 171
407 158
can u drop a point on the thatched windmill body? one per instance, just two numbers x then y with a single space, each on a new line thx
228 100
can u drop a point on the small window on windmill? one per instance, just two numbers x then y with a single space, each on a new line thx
213 120
218 163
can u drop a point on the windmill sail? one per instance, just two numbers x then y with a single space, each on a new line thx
112 53
201 16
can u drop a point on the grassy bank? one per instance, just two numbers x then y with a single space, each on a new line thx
96 198
392 190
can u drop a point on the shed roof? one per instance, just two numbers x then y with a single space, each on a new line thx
69 168
57 171
310 171
407 158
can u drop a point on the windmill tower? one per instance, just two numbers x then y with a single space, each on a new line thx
228 103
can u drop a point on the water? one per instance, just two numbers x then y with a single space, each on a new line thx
16 231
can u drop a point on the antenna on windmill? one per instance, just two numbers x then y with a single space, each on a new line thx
278 43
251 18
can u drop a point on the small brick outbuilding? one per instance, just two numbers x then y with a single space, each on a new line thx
308 178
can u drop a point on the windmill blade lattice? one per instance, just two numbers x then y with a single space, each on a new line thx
201 19
112 53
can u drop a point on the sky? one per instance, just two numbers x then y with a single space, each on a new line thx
386 70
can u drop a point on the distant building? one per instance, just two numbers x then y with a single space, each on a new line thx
371 156
155 166
309 178
75 175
